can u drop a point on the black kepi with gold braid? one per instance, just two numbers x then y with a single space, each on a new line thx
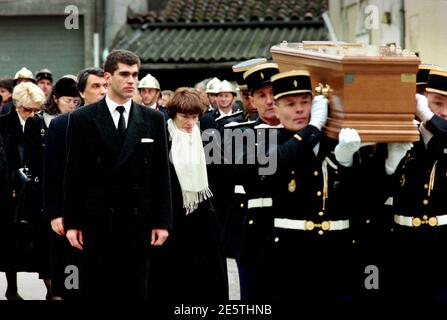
424 71
291 82
437 82
240 68
259 76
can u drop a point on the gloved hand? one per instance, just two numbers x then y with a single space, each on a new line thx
348 144
396 151
319 112
423 111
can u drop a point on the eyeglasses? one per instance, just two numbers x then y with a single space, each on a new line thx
30 110
75 101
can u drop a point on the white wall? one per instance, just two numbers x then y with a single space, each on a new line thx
426 30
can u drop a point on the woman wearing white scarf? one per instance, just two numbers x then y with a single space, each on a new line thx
192 266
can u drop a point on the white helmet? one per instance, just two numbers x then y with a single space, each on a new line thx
213 86
24 73
226 86
149 81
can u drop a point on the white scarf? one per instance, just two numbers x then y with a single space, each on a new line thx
188 157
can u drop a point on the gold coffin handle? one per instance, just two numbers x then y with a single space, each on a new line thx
323 89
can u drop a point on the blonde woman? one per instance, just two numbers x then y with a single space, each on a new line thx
28 99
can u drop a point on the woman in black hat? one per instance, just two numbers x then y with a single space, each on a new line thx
64 98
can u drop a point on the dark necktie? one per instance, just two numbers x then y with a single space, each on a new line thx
121 122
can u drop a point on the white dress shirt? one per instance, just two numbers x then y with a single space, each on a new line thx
115 114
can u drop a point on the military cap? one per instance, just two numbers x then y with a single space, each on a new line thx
423 72
240 68
259 76
44 74
291 82
437 82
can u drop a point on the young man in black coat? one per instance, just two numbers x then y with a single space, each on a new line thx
117 191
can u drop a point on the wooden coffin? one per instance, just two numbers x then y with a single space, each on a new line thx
372 89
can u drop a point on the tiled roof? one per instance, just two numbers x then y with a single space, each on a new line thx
169 45
205 31
233 11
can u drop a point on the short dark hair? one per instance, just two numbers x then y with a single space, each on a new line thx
7 83
120 56
83 77
186 100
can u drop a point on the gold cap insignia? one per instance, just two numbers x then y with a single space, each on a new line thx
262 75
292 185
295 83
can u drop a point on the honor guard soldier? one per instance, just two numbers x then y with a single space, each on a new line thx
311 241
257 222
250 112
419 236
212 89
44 79
149 89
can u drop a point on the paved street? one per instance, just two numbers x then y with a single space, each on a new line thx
32 288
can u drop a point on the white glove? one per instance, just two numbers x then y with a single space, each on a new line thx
423 111
396 151
348 144
319 111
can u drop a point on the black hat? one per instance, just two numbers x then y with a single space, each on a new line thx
66 87
423 72
291 82
259 76
240 68
44 74
437 82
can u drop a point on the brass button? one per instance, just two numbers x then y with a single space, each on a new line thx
425 186
293 172
320 232
353 241
367 221
319 193
242 205
321 213
325 225
315 173
310 225
433 221
416 222
250 222
424 217
276 239
336 171
425 201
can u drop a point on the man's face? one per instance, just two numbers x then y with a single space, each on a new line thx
95 89
248 106
121 84
438 104
225 100
294 111
212 98
46 86
149 95
262 100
